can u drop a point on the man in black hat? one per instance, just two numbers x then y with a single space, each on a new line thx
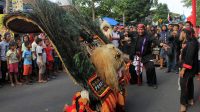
141 45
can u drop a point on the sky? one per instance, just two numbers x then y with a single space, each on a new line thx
177 7
174 6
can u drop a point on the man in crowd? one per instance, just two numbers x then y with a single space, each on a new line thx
181 25
141 46
4 47
34 55
188 24
170 50
170 29
115 36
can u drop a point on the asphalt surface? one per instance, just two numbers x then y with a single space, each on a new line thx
51 96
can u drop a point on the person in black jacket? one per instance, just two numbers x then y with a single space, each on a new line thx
189 68
173 51
141 45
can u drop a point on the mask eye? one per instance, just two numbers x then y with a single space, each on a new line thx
118 55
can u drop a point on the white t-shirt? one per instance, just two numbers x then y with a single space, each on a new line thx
40 50
23 47
116 38
33 49
12 55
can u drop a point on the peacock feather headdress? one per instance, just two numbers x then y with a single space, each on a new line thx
64 27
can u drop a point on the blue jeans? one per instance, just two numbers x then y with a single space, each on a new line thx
171 62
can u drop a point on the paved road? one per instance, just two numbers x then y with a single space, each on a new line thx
51 97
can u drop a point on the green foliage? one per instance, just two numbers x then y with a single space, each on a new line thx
138 9
187 3
133 9
161 12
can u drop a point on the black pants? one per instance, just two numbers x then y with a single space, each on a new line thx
187 88
134 76
151 73
4 70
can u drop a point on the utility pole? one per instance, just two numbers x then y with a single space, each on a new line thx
93 10
124 18
7 6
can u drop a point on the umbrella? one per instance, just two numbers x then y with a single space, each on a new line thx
111 21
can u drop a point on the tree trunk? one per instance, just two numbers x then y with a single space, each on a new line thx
7 6
124 18
93 10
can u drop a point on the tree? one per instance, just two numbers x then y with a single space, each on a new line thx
139 9
132 9
188 3
161 12
94 7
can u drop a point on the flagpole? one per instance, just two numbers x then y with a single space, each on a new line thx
194 13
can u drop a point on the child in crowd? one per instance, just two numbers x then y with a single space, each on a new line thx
12 60
34 45
25 39
56 61
27 56
50 60
41 60
20 64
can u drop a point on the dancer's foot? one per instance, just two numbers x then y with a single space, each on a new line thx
155 86
161 67
18 83
183 108
168 71
12 85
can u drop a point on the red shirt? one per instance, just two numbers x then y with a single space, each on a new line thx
49 52
31 38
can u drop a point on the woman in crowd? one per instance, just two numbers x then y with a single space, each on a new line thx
25 39
163 39
20 65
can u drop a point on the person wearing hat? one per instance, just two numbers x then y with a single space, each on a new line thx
141 46
189 68
105 27
4 47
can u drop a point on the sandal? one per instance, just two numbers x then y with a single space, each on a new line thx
19 83
42 81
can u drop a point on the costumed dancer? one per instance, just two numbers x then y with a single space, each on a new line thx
189 68
98 78
183 45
